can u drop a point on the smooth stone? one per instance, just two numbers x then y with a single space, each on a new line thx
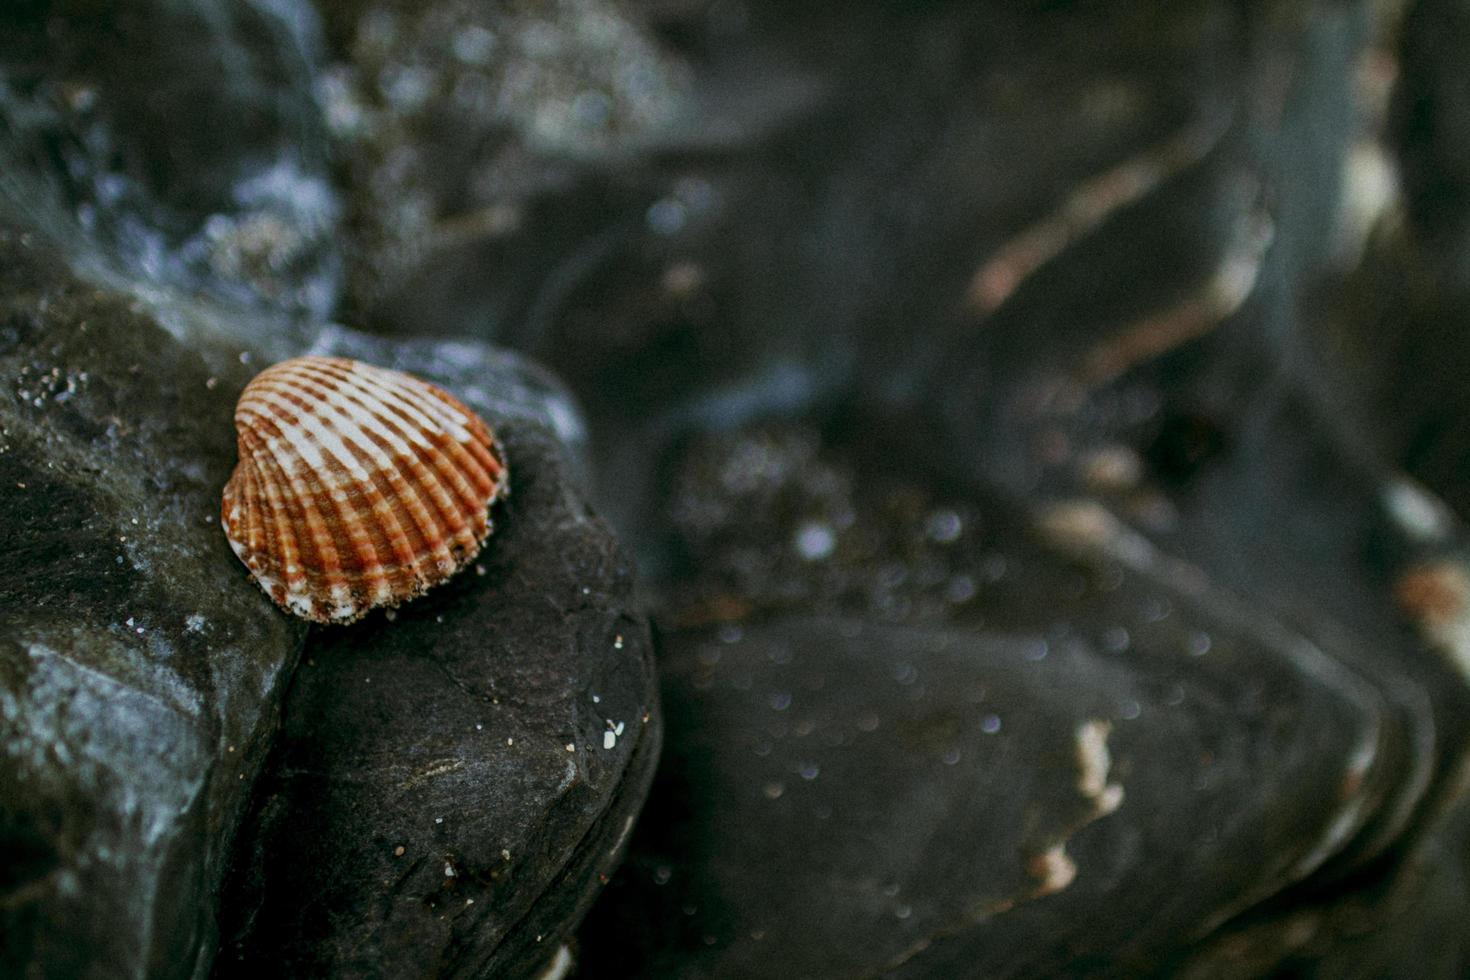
841 798
140 671
454 783
1403 925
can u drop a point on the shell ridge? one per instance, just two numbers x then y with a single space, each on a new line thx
270 554
283 544
375 443
355 406
282 548
449 417
479 450
447 484
312 427
410 398
245 510
317 559
300 470
347 536
367 455
483 442
431 529
465 529
372 390
358 410
258 542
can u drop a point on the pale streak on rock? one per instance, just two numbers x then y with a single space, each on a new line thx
1232 281
442 767
1370 195
1091 202
1093 764
1053 869
1436 596
559 967
1416 512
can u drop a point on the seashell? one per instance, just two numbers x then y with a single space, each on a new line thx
357 486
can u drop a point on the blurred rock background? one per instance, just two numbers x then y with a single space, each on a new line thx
1037 427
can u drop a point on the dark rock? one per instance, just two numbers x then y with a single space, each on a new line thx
1431 127
1144 393
1405 924
182 138
846 799
1236 461
1393 328
453 784
460 127
1194 411
140 671
790 520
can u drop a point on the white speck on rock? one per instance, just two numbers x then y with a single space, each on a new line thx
944 527
814 541
1416 512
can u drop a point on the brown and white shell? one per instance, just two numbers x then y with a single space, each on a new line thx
357 486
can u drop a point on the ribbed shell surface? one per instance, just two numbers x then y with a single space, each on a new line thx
357 486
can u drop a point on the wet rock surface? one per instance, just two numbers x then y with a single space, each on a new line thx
453 782
841 799
120 115
973 632
142 675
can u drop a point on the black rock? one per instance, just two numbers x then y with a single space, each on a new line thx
1192 411
140 671
1192 408
1393 328
454 781
1428 125
845 799
1406 924
1253 765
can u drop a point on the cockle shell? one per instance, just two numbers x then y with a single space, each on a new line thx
357 486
